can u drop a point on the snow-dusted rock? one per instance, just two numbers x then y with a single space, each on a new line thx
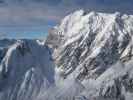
92 42
96 46
26 69
4 45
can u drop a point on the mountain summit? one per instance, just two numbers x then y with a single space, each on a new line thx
92 42
96 46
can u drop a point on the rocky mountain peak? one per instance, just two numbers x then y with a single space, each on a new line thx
92 42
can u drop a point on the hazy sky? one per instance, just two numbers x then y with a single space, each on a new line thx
33 18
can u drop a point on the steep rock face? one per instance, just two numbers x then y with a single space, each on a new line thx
116 83
89 43
25 70
4 45
96 48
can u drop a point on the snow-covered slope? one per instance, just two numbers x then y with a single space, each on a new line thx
92 41
89 46
26 69
4 45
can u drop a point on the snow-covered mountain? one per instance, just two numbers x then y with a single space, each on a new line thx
96 48
92 60
4 45
25 70
92 41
